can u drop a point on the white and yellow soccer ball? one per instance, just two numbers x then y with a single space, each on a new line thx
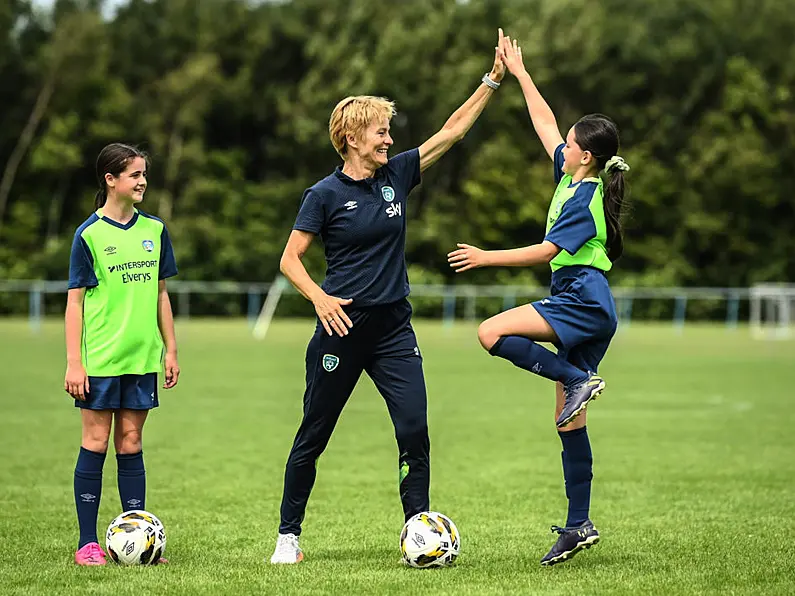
136 538
430 539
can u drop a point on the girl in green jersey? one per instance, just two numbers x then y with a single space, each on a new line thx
119 324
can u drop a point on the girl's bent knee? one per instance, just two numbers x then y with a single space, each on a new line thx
487 335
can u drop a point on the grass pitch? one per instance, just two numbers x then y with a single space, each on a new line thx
693 493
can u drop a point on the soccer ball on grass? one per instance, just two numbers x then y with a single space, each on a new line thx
136 538
429 539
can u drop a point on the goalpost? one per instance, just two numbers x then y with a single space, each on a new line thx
772 308
269 307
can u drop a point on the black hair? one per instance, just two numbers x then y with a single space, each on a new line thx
599 134
114 159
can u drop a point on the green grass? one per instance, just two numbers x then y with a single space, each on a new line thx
693 442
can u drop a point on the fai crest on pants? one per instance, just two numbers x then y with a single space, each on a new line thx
330 362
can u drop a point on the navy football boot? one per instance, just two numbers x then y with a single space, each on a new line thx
570 542
577 398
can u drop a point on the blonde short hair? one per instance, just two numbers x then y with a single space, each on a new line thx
353 115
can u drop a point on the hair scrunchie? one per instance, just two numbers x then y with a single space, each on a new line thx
616 163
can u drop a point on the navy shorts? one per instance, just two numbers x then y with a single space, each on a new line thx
582 312
129 392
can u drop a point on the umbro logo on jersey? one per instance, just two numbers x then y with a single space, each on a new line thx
110 250
148 245
388 193
394 210
350 205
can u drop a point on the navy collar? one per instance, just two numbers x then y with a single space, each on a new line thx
116 224
591 179
364 181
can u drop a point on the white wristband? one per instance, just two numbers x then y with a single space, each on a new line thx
489 83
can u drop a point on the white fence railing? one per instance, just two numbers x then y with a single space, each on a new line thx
769 303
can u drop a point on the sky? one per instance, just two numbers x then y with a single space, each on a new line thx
110 5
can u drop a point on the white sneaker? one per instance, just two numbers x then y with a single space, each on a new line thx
287 550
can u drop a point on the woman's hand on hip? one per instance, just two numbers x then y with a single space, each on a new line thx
329 311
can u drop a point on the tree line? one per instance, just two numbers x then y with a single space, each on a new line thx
232 100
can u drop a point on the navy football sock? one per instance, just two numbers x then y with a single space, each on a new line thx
132 480
578 473
527 354
88 490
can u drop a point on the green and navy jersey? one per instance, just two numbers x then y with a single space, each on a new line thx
120 266
362 224
576 221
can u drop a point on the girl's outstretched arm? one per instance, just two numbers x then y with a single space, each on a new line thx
467 257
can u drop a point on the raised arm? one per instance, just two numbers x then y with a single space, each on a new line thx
328 308
463 118
540 113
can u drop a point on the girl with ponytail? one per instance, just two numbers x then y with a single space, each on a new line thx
119 331
583 239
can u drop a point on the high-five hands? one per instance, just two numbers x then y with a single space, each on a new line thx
510 52
498 69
